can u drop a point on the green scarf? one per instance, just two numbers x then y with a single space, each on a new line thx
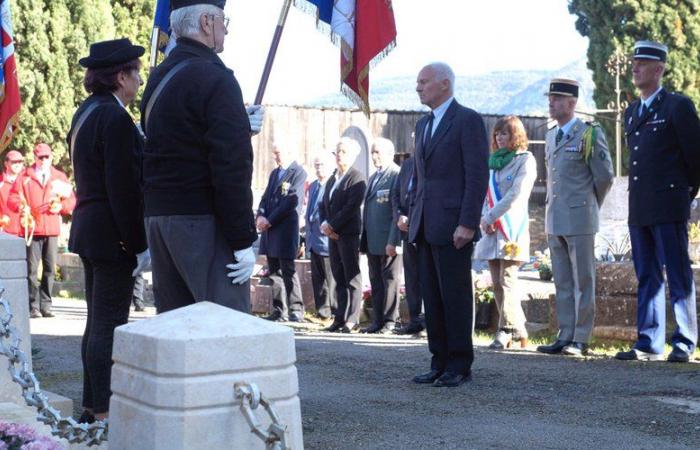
500 158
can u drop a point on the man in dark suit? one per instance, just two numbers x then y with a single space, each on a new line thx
663 135
451 178
380 237
317 242
341 221
278 220
401 197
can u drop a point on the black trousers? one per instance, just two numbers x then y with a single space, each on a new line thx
410 274
446 286
345 265
286 288
42 249
108 289
383 276
323 284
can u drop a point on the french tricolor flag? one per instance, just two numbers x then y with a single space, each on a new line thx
10 102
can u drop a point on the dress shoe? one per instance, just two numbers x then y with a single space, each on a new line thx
388 328
374 328
502 340
334 327
575 349
427 378
276 317
139 307
47 313
411 328
678 355
86 417
638 355
348 328
553 349
451 379
35 314
296 318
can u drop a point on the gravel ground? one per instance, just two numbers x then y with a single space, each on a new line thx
356 393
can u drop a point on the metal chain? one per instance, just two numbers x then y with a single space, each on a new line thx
275 438
74 432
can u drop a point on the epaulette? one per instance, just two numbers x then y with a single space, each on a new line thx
593 123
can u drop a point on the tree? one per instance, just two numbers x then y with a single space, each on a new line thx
619 23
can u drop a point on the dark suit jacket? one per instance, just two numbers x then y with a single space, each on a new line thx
664 169
281 205
342 211
401 197
108 218
451 176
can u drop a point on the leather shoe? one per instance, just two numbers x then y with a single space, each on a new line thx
276 317
411 328
451 379
678 355
35 314
348 328
334 327
374 328
575 349
388 328
87 417
296 318
553 349
638 355
427 378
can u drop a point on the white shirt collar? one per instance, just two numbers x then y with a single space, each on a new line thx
118 100
440 110
565 128
650 98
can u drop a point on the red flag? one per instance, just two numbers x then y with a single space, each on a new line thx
375 37
9 86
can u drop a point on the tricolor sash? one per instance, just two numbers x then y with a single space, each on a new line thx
510 228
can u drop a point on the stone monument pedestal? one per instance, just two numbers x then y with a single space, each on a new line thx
173 380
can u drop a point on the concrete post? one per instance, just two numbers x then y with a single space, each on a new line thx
173 380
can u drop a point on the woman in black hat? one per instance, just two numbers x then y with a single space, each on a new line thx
107 230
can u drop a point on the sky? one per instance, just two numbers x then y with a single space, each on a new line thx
473 36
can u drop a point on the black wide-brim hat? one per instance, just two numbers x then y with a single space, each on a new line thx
177 4
111 53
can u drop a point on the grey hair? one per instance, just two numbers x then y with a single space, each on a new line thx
324 156
384 146
351 146
443 72
185 21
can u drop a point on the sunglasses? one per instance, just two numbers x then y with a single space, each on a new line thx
43 157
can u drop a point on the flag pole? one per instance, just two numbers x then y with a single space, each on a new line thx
273 51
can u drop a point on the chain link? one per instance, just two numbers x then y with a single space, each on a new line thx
275 438
66 428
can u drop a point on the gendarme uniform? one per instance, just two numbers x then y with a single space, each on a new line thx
663 137
579 175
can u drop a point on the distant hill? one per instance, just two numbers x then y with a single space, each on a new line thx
511 92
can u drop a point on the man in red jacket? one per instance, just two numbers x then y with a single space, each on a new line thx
41 194
14 164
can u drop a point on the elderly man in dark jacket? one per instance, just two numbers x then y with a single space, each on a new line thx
197 167
278 220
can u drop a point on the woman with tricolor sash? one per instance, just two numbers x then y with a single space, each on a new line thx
505 244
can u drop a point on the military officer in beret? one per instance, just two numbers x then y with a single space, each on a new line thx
663 136
198 167
579 175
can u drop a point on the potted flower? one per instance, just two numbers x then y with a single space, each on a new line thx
15 436
483 300
543 264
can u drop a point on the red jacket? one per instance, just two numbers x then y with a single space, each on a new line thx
5 211
27 190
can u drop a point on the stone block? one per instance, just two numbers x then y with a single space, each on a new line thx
615 278
12 248
69 260
174 374
260 297
10 269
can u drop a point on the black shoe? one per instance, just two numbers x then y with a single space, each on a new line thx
678 355
575 349
348 328
276 317
388 328
334 327
553 349
47 313
296 318
86 417
35 314
638 355
374 328
451 379
140 307
427 378
411 328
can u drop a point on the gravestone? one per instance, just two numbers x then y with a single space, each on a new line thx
362 137
613 234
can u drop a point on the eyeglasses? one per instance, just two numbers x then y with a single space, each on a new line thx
43 157
225 19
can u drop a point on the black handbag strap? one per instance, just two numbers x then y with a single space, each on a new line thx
156 93
81 120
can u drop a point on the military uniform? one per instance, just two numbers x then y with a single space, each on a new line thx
663 137
577 183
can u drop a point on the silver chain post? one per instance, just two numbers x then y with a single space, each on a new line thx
275 437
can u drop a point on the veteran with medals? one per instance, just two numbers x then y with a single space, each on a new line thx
663 136
579 176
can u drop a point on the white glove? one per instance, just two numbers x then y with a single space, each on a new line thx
242 268
256 113
143 262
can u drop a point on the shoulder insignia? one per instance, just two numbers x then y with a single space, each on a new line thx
588 141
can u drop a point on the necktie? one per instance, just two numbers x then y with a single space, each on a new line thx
428 135
644 110
560 135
